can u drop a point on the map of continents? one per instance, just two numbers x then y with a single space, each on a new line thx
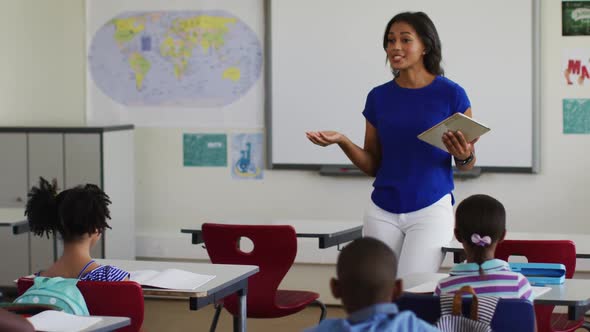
175 58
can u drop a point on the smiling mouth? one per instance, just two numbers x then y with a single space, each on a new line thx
396 58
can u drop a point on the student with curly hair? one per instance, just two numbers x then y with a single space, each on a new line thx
79 216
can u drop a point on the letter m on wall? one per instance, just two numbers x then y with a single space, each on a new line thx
573 66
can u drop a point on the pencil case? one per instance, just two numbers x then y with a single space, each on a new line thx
539 274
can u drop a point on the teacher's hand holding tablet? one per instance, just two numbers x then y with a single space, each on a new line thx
457 145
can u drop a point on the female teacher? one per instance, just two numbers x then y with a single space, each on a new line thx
411 204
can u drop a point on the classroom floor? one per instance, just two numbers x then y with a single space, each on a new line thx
174 315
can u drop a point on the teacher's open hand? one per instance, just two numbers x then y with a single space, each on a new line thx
324 138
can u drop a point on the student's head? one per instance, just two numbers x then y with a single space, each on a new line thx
77 213
480 223
410 38
366 274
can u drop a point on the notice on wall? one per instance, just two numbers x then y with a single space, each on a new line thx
576 116
576 67
205 150
247 156
575 18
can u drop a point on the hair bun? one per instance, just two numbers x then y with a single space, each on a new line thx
41 209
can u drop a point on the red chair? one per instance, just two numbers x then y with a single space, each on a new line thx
117 298
545 251
275 247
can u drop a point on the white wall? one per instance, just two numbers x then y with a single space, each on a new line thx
42 63
555 200
43 84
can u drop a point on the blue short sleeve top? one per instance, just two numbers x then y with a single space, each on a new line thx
412 174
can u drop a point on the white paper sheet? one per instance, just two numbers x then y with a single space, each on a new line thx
538 291
59 321
427 287
170 279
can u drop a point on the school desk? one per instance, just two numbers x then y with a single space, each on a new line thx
14 217
109 323
15 249
582 242
328 232
229 279
573 293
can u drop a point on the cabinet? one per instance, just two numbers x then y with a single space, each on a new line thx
14 249
72 156
13 171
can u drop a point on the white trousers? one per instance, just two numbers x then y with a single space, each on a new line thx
416 237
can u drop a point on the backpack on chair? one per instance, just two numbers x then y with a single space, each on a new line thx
57 291
481 313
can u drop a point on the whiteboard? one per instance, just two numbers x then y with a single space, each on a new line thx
325 56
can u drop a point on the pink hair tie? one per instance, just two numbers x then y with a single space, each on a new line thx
481 241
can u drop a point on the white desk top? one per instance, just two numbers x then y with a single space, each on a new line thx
574 292
582 241
109 323
320 226
10 216
415 279
224 275
301 226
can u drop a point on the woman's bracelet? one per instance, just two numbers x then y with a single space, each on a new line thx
464 162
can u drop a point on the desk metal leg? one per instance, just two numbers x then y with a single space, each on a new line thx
240 320
576 312
459 257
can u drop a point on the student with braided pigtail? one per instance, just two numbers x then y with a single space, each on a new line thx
480 224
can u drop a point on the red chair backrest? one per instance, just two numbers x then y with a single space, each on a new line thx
116 298
275 248
541 251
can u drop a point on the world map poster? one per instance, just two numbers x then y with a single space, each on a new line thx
175 63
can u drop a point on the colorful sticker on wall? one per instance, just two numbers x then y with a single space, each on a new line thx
576 116
576 67
207 150
575 18
247 152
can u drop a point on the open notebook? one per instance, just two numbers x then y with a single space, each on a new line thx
51 320
170 279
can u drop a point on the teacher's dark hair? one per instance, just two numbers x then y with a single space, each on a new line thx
427 33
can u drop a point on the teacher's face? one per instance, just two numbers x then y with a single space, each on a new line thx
405 49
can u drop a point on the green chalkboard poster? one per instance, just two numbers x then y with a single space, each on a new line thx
205 150
575 18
